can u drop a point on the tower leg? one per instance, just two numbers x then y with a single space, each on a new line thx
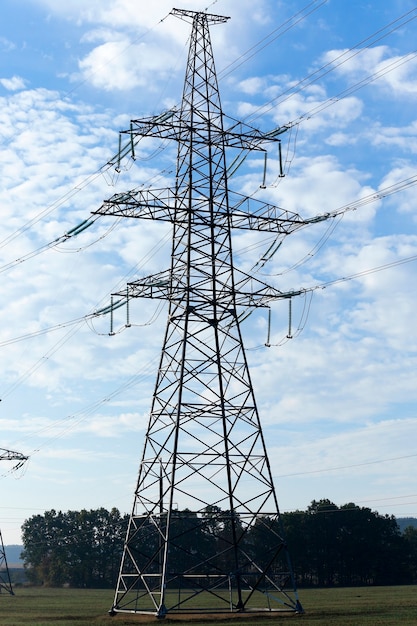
5 580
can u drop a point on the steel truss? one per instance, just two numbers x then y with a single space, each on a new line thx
205 533
5 580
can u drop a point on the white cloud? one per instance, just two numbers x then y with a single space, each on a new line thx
145 48
396 138
303 191
120 65
342 391
365 465
6 44
395 73
341 139
15 83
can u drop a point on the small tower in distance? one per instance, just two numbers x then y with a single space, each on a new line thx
5 580
205 534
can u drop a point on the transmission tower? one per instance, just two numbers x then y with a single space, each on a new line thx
205 533
5 580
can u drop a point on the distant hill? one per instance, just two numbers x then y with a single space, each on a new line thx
403 522
13 554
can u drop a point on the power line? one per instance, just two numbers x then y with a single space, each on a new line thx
91 316
283 28
334 64
331 282
343 467
302 14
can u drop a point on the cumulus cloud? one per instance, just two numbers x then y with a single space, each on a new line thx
395 73
6 44
121 65
15 83
344 382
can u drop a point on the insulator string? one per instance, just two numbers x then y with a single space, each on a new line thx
268 337
289 334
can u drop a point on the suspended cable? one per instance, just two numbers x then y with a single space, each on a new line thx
290 23
63 238
324 285
308 296
110 309
358 275
385 192
69 422
278 242
49 209
77 322
343 467
372 270
332 65
77 231
73 232
349 90
399 22
39 362
66 250
42 331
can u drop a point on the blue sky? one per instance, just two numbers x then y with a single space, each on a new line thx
338 400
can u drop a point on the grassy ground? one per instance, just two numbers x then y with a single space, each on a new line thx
370 606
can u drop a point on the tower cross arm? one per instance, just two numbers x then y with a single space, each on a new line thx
156 286
247 291
151 204
170 124
240 135
169 206
245 213
10 455
187 15
250 214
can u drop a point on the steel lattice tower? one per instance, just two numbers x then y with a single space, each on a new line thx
205 532
5 580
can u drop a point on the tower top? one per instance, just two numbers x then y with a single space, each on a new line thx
189 16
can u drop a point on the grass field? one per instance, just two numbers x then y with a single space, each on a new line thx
360 606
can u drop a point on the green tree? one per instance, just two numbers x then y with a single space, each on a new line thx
80 548
410 538
347 545
296 533
322 524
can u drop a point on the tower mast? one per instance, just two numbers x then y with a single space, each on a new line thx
5 580
205 532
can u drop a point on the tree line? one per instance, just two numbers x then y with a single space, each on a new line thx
329 545
79 548
350 545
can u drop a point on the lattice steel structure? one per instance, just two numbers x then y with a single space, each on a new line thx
205 533
5 580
